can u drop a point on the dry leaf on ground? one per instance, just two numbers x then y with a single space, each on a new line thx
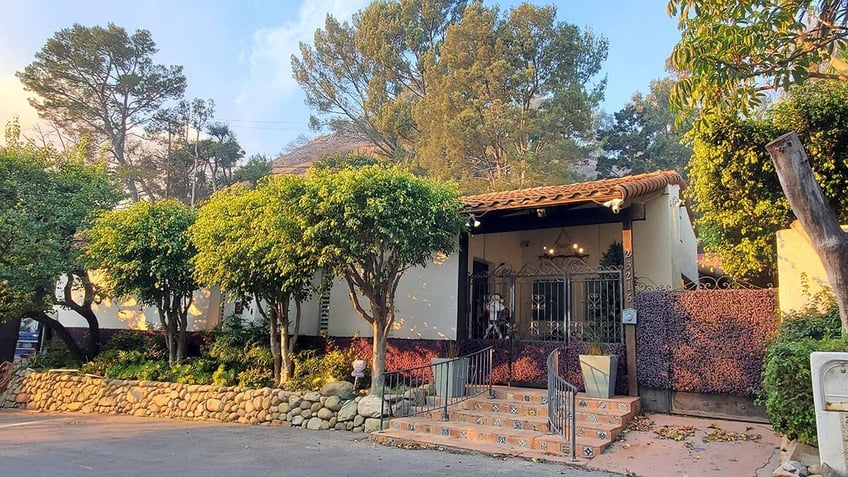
677 433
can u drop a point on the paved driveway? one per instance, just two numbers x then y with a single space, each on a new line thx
35 444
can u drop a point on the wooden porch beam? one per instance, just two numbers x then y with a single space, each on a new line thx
553 217
462 291
628 278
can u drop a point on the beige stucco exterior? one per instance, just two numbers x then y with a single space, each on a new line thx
800 272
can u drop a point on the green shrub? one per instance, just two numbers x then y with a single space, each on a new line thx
192 371
241 349
313 370
136 365
54 355
787 385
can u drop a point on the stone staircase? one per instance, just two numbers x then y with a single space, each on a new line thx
515 423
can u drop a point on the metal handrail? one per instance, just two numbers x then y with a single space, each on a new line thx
425 388
562 418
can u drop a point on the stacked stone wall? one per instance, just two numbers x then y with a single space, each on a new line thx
66 391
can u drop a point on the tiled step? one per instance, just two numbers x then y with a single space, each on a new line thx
464 433
515 420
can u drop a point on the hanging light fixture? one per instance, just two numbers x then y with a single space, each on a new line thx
563 247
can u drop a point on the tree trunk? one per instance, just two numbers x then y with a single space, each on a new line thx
84 309
275 345
9 338
378 363
59 329
815 215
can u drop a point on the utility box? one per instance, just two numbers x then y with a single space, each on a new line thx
830 396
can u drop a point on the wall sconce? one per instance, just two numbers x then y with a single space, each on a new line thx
473 221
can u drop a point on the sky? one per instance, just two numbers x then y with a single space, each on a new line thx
238 52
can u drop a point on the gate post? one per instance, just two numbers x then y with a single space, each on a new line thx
628 279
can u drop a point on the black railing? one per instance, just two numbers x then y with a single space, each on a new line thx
436 386
561 404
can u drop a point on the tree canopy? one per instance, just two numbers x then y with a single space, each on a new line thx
731 51
101 81
144 252
642 137
371 224
463 91
46 199
738 198
250 244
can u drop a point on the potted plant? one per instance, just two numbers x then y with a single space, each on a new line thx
450 374
598 368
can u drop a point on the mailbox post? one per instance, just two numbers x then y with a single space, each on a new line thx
830 393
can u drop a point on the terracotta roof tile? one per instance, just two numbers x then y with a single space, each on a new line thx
624 188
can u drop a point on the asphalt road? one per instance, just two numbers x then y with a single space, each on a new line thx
41 444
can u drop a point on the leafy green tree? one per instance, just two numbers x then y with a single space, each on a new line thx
732 51
256 167
370 225
102 81
144 252
464 91
642 136
364 77
738 197
510 100
250 244
46 199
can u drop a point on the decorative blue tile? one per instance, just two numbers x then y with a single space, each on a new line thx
544 399
445 431
498 422
396 425
463 435
582 403
410 427
496 408
501 439
513 409
481 420
623 406
602 404
523 443
478 406
592 418
588 452
526 398
516 424
510 396
602 435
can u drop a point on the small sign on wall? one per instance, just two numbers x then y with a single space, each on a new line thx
628 316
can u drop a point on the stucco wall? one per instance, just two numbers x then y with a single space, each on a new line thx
426 303
800 272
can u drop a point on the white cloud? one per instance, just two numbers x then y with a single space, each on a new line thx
272 48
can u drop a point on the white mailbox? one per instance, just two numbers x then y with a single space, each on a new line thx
830 396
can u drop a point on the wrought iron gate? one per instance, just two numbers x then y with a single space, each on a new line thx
550 300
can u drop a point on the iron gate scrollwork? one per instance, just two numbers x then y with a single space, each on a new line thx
549 300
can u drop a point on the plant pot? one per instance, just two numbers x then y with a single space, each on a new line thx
450 376
599 374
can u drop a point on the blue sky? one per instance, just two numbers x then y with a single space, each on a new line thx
237 52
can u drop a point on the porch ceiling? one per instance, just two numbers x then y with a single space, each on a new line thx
624 188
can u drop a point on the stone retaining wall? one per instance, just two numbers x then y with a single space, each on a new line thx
70 391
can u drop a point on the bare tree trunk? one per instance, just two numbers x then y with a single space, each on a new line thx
84 309
378 363
9 329
61 331
275 344
815 215
285 356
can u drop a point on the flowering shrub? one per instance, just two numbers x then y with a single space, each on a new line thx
705 341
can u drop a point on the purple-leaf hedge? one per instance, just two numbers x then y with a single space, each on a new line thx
705 341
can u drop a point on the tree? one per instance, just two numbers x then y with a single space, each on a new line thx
365 76
46 199
463 91
738 198
731 51
370 225
257 167
510 100
101 81
144 252
642 136
250 244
